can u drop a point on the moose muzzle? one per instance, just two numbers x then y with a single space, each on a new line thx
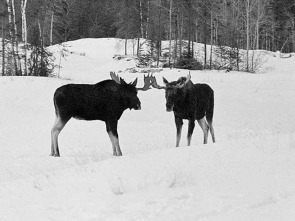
169 108
138 107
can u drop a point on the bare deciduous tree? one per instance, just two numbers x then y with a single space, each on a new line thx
24 33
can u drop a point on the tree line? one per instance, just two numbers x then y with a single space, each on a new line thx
239 24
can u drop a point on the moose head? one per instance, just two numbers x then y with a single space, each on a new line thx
173 90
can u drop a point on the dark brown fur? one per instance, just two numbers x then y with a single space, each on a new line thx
191 102
105 101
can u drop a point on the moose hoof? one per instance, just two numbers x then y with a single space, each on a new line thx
117 154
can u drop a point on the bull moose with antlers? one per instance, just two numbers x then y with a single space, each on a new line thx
105 101
189 101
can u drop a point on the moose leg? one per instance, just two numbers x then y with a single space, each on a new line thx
178 123
113 134
211 130
191 126
56 129
203 124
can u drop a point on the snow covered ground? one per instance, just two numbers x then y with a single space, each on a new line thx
247 175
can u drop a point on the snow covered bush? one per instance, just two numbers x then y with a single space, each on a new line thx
40 62
226 58
188 62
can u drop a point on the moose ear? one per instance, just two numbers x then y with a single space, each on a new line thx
122 81
165 81
134 83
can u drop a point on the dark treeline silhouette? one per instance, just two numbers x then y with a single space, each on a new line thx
240 24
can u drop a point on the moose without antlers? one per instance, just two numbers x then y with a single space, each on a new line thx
105 101
189 101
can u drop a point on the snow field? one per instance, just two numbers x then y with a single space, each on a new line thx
246 175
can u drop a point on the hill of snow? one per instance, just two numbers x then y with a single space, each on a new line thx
248 174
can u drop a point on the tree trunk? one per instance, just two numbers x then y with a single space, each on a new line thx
11 32
141 18
40 34
216 33
51 28
159 36
211 38
24 20
253 53
196 31
24 33
147 21
205 38
238 55
247 32
193 51
189 30
273 38
19 68
176 37
158 53
257 35
180 25
3 49
170 32
138 42
126 44
257 25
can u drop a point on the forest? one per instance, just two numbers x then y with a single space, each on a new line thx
32 25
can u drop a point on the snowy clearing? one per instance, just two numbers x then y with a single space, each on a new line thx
247 175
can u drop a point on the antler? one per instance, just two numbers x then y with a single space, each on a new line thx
181 84
178 85
115 77
155 84
148 81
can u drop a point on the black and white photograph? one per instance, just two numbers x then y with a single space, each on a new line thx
147 110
